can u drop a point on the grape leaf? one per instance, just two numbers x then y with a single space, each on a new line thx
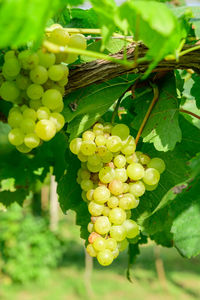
92 102
70 194
162 128
82 18
186 213
7 198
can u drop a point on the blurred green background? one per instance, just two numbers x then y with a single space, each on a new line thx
39 263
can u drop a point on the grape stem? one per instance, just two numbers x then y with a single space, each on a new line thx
189 113
155 98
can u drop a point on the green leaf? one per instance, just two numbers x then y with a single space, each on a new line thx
70 194
133 251
162 128
92 102
25 21
186 224
7 198
82 18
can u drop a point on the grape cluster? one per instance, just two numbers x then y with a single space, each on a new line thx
35 83
113 177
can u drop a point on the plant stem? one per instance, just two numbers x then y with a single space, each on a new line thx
116 108
57 49
155 98
189 50
189 113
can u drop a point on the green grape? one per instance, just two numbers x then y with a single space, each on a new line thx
90 250
77 41
106 174
93 236
107 157
150 187
11 67
85 174
94 168
95 209
27 125
158 164
39 75
15 109
101 194
59 36
113 202
137 188
128 201
144 159
125 187
122 245
83 195
135 171
100 140
106 211
99 244
45 129
131 158
132 228
56 72
88 147
22 82
118 232
88 135
90 227
89 194
94 160
114 143
107 128
115 253
9 91
102 151
59 88
16 137
15 119
102 225
111 244
82 157
31 140
78 180
23 107
43 113
35 104
75 145
23 148
116 187
128 214
58 120
30 113
117 216
28 60
121 174
59 108
52 99
120 161
128 146
151 176
64 80
35 91
46 59
121 130
105 257
86 185
9 54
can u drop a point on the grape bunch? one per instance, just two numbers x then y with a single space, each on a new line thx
35 83
112 178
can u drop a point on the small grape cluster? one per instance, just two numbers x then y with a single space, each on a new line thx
113 177
35 83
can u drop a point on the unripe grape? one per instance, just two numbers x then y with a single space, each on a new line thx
22 82
94 159
128 201
11 67
135 171
35 104
75 145
150 187
100 140
102 225
31 140
35 91
15 119
29 113
132 228
85 174
46 59
106 174
59 36
83 195
39 75
56 72
144 159
117 216
137 188
95 209
116 187
52 99
88 135
94 168
113 202
105 257
122 245
121 174
23 148
118 232
120 161
86 185
111 244
16 137
43 113
99 244
28 60
132 158
106 211
9 54
82 157
158 164
107 157
45 129
128 146
151 176
77 41
114 143
90 250
121 130
9 91
27 125
88 147
101 194
58 120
